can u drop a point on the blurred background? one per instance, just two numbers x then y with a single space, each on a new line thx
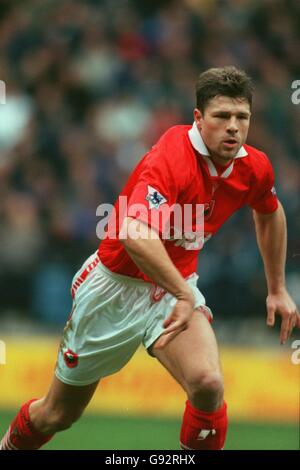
90 87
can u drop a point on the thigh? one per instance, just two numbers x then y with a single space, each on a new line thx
106 328
192 353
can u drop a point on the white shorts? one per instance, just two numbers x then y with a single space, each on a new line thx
111 316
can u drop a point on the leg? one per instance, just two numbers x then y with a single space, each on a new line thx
193 360
38 420
63 405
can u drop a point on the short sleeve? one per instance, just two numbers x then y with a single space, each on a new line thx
156 190
263 197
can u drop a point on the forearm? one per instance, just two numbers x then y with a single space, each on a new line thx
150 255
271 234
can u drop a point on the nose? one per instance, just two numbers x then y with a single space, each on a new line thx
232 126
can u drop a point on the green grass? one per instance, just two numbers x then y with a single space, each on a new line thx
119 433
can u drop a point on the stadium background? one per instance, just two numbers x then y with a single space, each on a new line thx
90 87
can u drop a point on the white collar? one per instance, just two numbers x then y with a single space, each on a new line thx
199 145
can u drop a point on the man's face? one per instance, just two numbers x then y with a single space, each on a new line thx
224 126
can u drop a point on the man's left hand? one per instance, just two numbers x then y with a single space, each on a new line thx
282 304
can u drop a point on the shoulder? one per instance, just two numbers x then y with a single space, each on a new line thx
258 162
175 137
173 149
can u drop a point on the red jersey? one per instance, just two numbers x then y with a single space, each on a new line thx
178 170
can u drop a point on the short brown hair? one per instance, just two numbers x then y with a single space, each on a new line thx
223 81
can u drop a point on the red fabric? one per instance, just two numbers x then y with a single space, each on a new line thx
21 434
202 430
82 277
180 174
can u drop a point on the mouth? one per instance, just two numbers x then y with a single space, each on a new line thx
230 143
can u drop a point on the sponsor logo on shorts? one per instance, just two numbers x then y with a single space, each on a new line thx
71 359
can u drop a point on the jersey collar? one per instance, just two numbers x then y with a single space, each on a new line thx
199 145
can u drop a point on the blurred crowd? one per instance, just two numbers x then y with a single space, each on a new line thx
90 86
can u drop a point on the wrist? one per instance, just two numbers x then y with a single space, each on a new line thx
186 295
275 290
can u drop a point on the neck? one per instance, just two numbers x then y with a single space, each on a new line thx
223 161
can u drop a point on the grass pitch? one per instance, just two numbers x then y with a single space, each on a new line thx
96 432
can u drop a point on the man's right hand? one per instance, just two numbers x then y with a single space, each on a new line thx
178 320
149 254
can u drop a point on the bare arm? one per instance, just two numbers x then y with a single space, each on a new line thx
149 254
271 234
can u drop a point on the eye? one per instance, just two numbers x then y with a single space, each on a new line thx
222 116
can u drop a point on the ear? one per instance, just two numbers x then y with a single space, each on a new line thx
198 117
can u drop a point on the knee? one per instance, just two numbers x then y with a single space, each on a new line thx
206 389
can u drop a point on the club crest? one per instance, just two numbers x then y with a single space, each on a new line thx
71 359
208 209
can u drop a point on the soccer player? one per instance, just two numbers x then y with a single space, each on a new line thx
141 285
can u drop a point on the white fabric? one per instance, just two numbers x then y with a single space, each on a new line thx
112 315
